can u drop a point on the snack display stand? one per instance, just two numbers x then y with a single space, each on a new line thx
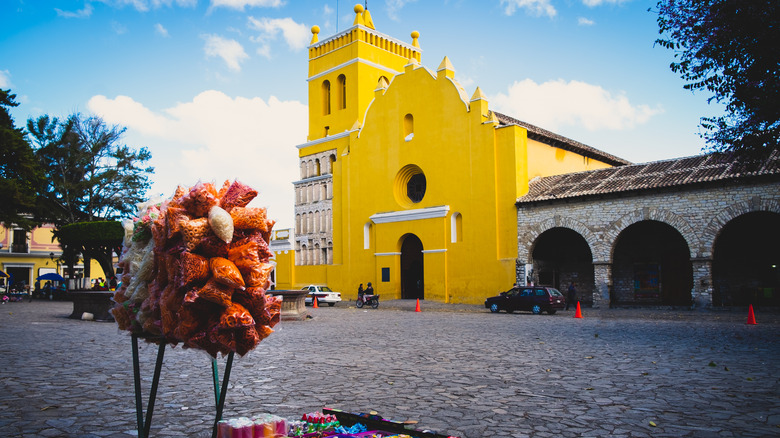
144 424
196 273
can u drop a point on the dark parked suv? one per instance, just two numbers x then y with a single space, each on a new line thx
537 299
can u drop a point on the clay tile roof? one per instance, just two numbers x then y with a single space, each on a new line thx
559 141
654 175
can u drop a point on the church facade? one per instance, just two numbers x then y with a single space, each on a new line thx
407 181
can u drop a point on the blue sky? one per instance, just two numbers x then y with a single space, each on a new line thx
216 89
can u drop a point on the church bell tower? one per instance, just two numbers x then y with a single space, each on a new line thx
344 71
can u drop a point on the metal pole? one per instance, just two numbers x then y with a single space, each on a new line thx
139 412
223 394
153 392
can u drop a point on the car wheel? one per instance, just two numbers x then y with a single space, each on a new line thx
331 304
374 303
552 311
359 304
536 309
494 308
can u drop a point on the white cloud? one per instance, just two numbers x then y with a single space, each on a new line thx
582 21
594 3
119 28
534 7
161 30
394 6
5 79
296 35
241 4
215 138
554 104
231 51
183 3
81 13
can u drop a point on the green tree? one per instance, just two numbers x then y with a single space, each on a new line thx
90 175
20 174
730 49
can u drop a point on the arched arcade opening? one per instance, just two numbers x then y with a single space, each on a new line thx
745 260
561 256
651 265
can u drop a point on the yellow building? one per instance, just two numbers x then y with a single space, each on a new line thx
407 181
26 255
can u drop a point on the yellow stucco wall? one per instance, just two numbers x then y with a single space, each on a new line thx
37 260
474 168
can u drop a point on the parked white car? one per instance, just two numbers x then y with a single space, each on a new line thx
324 295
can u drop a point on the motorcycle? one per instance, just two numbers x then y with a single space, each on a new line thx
371 300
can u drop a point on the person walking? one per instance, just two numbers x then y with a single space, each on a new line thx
572 294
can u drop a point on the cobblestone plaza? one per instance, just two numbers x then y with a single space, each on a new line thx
454 369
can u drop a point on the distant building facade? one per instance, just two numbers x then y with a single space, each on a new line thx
698 231
407 181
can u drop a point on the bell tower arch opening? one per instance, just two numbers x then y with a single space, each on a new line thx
412 268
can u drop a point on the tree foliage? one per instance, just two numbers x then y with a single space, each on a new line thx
20 176
730 49
90 175
98 240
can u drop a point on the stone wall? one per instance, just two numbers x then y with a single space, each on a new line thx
698 213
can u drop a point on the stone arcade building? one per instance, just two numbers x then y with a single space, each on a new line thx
701 231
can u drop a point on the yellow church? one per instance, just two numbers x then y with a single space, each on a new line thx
406 180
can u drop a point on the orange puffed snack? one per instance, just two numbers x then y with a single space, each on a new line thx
200 199
123 316
253 298
246 339
213 246
193 269
170 303
223 340
237 195
173 216
226 272
263 331
201 340
235 316
178 195
223 189
216 293
263 251
245 256
249 218
259 275
194 231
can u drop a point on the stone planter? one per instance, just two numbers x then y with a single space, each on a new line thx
293 304
98 303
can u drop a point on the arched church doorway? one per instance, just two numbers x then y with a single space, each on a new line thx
561 256
412 268
651 265
745 261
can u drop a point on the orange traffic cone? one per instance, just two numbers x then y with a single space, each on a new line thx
751 316
314 303
578 313
417 309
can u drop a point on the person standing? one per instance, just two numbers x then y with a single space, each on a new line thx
572 294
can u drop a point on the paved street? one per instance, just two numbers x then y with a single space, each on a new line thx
455 369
